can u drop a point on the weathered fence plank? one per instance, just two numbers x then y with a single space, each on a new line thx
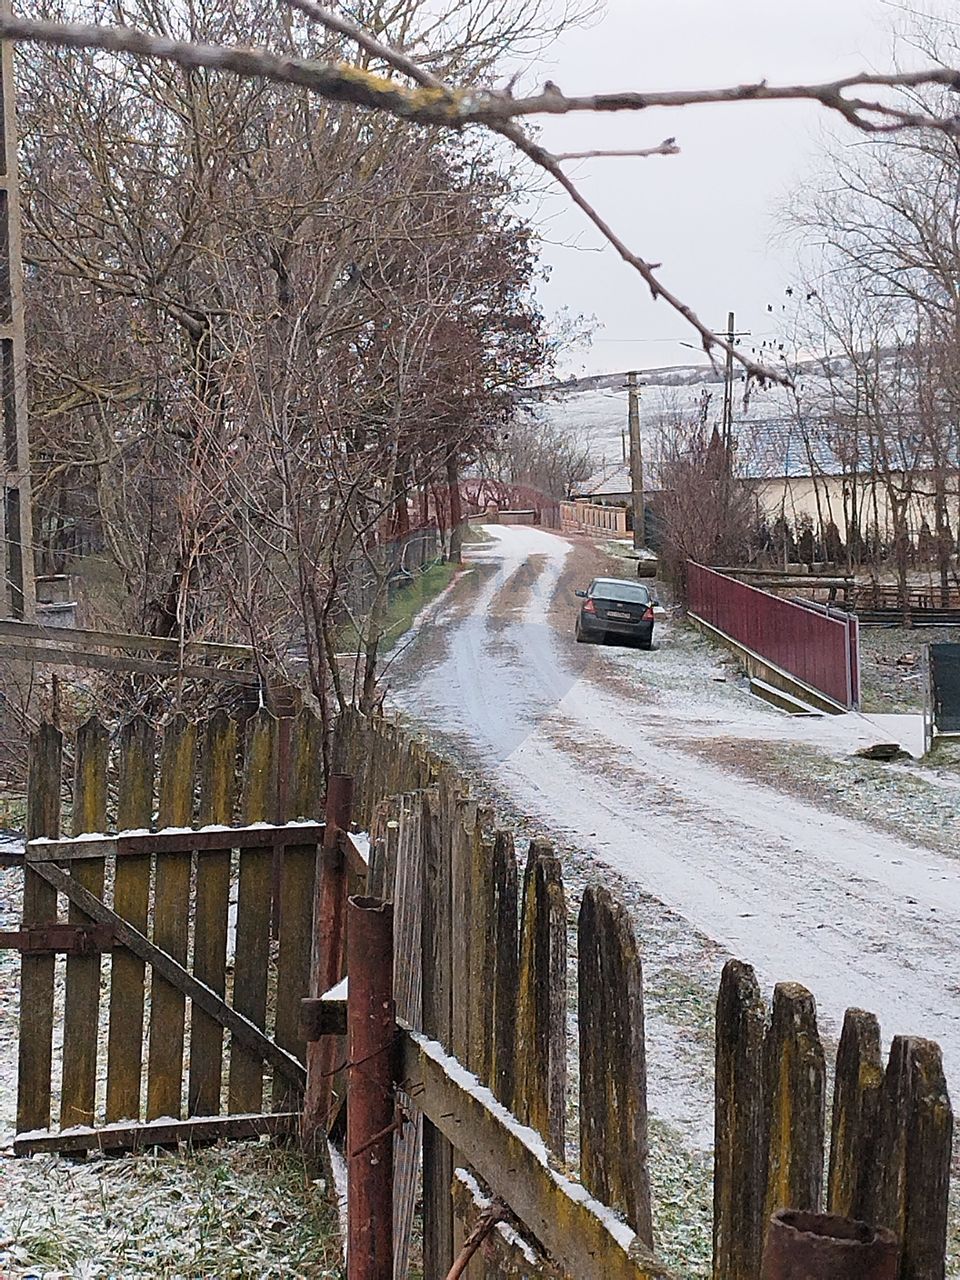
738 1182
578 1233
794 1102
81 1014
254 899
297 883
856 1105
541 1040
218 770
436 926
131 893
39 907
504 954
613 1066
404 887
912 1171
170 922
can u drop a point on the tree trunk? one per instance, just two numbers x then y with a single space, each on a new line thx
456 512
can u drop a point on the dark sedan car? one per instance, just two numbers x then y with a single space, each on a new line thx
615 608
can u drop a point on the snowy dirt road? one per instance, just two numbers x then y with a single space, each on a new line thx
612 751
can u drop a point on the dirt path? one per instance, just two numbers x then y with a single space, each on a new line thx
610 751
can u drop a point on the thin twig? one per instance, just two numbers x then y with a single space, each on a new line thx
496 1212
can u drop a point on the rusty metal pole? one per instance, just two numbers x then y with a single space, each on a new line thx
822 1246
371 1105
326 967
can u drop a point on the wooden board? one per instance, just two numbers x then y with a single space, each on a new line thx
219 763
578 1233
82 1001
130 899
170 921
253 914
39 907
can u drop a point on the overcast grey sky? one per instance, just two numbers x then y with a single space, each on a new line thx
708 214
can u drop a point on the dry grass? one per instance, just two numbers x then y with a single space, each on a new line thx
245 1210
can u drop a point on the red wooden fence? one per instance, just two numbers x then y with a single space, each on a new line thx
819 648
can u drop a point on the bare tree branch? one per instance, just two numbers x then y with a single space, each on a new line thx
432 102
665 148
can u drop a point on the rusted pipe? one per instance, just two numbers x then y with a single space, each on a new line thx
822 1246
371 1105
326 967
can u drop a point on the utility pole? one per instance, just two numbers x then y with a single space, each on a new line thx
19 595
636 465
726 431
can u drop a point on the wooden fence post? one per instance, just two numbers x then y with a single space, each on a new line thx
794 1102
505 957
856 1105
738 1176
613 1065
254 902
912 1172
217 790
131 895
296 882
326 964
39 907
371 1105
435 943
171 914
81 1012
541 1072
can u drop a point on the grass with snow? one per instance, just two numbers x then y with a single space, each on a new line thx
245 1210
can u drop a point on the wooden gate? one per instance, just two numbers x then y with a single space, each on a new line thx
171 937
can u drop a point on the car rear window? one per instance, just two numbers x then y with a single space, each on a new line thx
627 591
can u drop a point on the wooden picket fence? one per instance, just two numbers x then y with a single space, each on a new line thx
188 1034
481 990
481 967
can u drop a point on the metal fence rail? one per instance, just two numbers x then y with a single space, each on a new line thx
819 648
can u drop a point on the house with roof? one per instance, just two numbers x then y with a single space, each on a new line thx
798 475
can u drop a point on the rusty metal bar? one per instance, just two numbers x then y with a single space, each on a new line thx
822 1246
71 939
327 962
371 1102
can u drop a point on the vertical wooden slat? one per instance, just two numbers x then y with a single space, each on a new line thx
738 1176
39 907
253 912
218 769
130 899
171 915
82 999
540 1095
613 1062
436 924
794 1102
462 818
911 1181
297 883
407 894
505 957
856 1104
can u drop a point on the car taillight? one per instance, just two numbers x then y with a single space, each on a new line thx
589 607
648 616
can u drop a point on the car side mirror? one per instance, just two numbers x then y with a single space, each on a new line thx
582 594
